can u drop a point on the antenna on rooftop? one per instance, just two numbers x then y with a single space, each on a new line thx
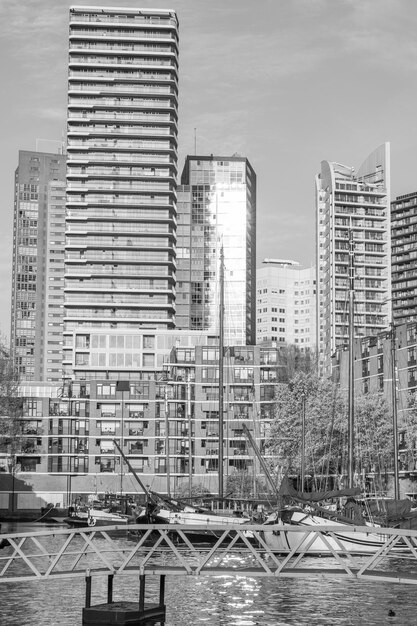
195 142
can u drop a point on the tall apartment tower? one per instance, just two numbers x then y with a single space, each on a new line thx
286 304
217 208
122 167
357 202
35 226
404 258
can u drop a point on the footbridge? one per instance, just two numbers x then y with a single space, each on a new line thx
178 550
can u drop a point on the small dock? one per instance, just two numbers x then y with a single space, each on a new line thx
124 612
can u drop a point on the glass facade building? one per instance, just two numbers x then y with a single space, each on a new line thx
122 167
359 202
217 208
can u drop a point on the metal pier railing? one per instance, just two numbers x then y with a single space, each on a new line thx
180 551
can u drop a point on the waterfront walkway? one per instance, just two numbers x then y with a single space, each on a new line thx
57 553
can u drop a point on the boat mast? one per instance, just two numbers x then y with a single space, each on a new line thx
303 439
221 348
394 411
351 377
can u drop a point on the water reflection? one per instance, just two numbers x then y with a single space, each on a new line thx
219 601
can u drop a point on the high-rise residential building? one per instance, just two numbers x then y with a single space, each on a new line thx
122 166
404 258
35 226
217 209
356 202
286 304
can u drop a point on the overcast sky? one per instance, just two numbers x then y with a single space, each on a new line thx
286 83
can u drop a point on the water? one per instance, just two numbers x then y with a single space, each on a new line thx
219 601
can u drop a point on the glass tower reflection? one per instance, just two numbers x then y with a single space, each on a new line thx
217 207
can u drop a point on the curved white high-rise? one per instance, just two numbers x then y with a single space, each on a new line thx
358 201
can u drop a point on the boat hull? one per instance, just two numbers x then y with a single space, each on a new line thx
95 518
353 543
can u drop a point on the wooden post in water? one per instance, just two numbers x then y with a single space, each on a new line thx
162 590
87 589
110 578
141 593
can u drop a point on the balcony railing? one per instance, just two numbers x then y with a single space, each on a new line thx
128 19
81 33
123 62
111 157
100 87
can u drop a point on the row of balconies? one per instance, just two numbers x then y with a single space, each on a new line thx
122 46
126 19
120 172
122 144
149 118
91 158
139 299
92 228
113 88
117 199
116 271
118 244
131 103
81 32
91 185
122 49
107 130
125 76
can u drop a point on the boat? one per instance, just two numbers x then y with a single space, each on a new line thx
86 516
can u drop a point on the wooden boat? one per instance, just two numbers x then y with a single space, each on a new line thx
88 516
354 543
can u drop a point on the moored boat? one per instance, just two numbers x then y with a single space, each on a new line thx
86 516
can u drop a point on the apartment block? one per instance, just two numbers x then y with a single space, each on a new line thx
357 202
404 258
286 304
166 421
122 167
34 256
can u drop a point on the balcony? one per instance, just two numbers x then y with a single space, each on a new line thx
129 19
120 103
79 33
113 87
138 62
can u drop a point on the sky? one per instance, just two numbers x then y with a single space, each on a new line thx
285 83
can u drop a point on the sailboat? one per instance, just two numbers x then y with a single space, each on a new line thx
308 513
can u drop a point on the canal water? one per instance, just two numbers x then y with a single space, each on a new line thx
218 601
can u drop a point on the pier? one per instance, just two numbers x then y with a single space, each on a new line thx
170 550
174 550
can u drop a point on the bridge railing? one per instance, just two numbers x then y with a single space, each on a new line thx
208 551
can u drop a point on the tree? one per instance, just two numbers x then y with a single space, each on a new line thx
198 490
11 405
326 422
241 484
292 361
